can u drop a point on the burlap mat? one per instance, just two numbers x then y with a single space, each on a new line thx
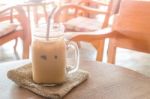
23 77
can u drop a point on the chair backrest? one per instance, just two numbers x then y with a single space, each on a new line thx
17 13
24 22
116 6
108 14
69 11
132 28
133 19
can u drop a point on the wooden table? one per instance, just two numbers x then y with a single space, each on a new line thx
105 82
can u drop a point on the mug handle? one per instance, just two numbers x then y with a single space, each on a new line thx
74 46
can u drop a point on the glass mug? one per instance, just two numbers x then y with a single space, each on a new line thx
49 56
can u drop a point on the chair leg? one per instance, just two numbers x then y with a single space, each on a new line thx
36 17
99 45
45 13
16 42
79 44
15 51
25 53
111 52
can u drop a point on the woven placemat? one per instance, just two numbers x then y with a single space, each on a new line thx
22 76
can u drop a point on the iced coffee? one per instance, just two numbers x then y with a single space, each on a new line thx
49 60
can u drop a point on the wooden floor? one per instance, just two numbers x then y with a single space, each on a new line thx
130 59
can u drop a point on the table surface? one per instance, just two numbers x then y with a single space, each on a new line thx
106 81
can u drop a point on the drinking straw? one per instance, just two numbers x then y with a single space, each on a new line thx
49 21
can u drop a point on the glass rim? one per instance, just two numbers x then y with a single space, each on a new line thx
55 30
45 36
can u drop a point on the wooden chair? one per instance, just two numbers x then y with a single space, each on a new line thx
132 28
76 18
13 31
